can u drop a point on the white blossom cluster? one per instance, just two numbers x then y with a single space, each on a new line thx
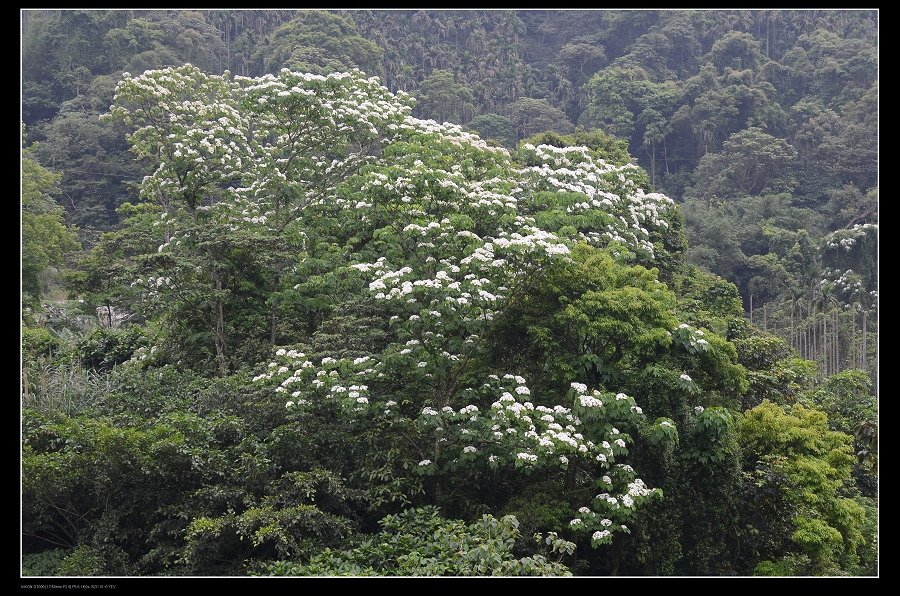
612 208
609 510
512 431
847 286
846 239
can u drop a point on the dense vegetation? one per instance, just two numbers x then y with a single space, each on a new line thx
313 330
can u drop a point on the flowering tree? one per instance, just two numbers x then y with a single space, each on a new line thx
318 184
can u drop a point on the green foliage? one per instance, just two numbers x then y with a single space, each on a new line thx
320 42
846 398
79 561
772 371
441 98
42 563
710 302
816 463
45 237
421 542
39 342
532 116
299 516
588 318
752 162
82 560
105 348
494 127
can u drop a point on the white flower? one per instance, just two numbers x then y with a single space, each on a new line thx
422 364
425 462
362 400
620 442
575 522
523 391
686 378
493 458
469 449
584 510
391 403
607 480
698 410
600 535
579 387
606 522
587 401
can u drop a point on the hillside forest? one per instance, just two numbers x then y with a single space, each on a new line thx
419 292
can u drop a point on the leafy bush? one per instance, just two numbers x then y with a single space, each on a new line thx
421 542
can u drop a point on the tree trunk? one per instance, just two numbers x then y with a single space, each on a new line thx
837 342
865 355
792 325
814 348
801 333
666 156
220 327
618 547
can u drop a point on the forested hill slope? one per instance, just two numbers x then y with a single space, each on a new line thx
315 327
